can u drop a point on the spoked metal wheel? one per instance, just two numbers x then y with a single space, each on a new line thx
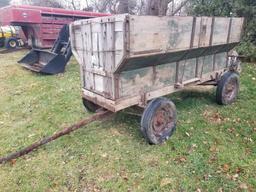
228 88
159 120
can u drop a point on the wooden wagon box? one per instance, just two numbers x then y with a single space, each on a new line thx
126 60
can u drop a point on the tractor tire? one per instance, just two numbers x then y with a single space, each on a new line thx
90 106
1 43
227 88
159 120
11 43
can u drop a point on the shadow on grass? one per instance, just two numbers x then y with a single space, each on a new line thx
184 100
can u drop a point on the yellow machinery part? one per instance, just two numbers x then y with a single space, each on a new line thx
7 31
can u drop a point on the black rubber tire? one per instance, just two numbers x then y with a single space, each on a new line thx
228 78
90 106
149 116
11 43
1 43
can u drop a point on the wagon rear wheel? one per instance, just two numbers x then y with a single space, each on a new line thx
159 120
90 106
228 88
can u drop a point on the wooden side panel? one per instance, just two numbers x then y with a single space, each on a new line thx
136 81
197 67
119 42
190 70
88 80
165 75
187 70
144 80
200 64
149 34
220 61
204 34
208 64
220 31
236 29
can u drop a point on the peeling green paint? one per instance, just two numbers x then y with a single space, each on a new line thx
129 75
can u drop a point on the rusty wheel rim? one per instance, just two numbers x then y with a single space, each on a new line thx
163 120
230 90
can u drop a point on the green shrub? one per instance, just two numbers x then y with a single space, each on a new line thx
248 50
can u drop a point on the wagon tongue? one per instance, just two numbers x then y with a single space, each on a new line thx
50 62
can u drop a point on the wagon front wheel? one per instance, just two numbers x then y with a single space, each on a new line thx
158 121
228 88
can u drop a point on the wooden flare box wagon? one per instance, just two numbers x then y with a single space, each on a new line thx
130 60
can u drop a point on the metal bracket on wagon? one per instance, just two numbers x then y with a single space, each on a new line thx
234 62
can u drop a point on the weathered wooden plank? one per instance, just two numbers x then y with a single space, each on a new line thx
204 34
220 31
133 82
171 33
236 29
220 61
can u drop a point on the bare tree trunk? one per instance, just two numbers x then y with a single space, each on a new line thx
151 7
73 4
179 7
156 7
123 6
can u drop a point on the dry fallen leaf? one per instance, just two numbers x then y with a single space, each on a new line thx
248 151
183 159
238 170
243 186
213 117
212 158
192 148
104 155
213 148
248 139
225 167
165 181
180 159
234 177
13 162
231 130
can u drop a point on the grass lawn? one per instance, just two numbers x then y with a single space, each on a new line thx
213 148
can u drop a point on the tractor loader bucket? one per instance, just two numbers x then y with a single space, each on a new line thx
50 62
44 62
